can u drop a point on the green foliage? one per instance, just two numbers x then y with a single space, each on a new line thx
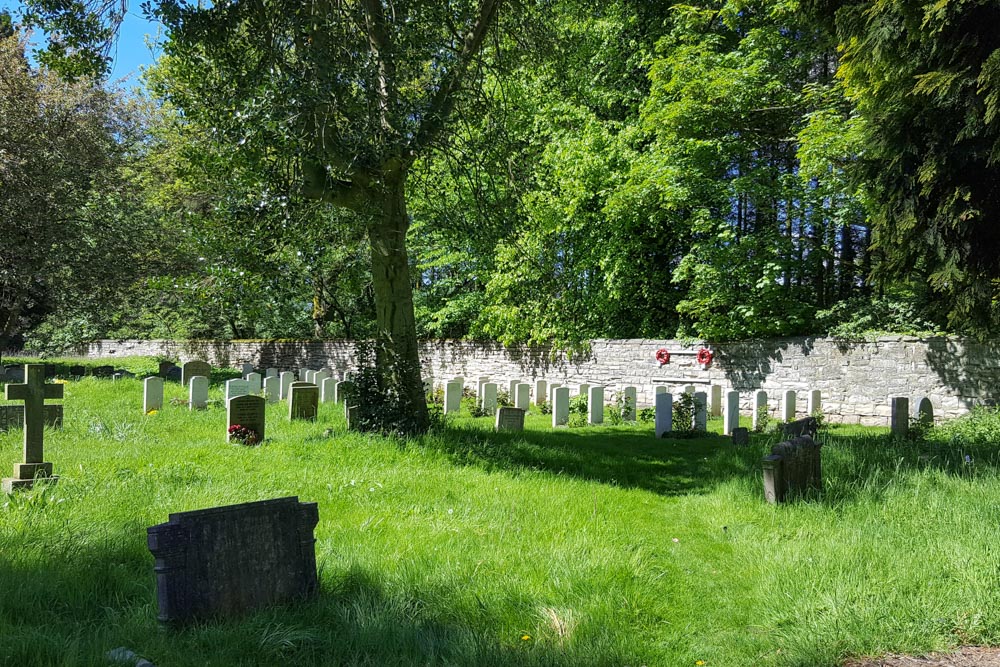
763 419
380 397
647 415
682 420
578 411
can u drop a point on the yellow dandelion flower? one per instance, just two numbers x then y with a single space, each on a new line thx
525 638
152 412
699 662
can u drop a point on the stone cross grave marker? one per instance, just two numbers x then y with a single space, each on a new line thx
629 396
198 393
900 419
248 411
152 394
226 561
716 409
700 411
731 417
489 397
287 378
254 380
664 413
272 388
560 406
327 390
522 396
595 405
303 401
236 388
925 412
452 397
759 408
192 368
510 419
34 392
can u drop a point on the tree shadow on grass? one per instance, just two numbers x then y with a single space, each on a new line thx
72 611
629 459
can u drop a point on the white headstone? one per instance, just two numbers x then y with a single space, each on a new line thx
327 390
540 391
814 403
271 373
659 389
254 380
272 388
319 377
759 407
788 406
552 391
560 406
731 416
247 369
453 397
664 413
716 404
479 388
522 396
287 378
700 411
628 412
302 374
152 394
236 388
198 392
311 376
595 405
340 391
512 389
689 389
583 390
900 416
488 400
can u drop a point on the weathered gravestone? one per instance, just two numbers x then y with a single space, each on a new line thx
664 413
236 388
152 394
12 417
33 392
225 561
247 411
925 412
510 419
303 401
560 406
806 426
175 374
792 468
164 368
247 369
193 368
77 371
741 436
716 400
700 411
900 419
198 393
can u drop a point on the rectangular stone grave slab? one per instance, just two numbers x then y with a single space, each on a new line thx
152 394
793 468
225 561
164 367
246 411
192 368
510 419
303 401
741 436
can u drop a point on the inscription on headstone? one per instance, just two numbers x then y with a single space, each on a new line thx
510 419
247 411
225 561
303 401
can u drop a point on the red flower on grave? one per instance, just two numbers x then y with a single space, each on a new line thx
244 435
663 356
705 356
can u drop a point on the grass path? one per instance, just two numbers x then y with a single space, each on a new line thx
602 546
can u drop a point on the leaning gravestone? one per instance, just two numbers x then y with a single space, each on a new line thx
510 419
34 391
792 468
198 393
192 368
247 411
664 413
303 401
236 388
152 394
225 561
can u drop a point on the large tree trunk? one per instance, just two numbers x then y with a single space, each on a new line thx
398 355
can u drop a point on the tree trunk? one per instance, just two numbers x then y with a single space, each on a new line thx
399 355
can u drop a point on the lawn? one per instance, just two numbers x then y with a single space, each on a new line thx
585 546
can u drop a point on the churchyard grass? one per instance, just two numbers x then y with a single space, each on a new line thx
585 546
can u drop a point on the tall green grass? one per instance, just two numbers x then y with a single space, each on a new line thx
591 546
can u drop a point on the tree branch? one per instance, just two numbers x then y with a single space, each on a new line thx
317 184
381 46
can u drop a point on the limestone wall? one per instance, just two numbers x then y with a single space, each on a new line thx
856 379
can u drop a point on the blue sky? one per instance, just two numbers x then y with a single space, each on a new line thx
131 50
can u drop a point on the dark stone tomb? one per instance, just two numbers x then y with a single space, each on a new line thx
793 468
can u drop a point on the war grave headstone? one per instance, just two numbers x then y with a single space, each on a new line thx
225 561
629 395
303 401
327 390
247 411
595 405
541 393
34 392
689 389
510 419
716 406
152 394
343 391
759 408
287 378
659 389
788 406
452 397
900 416
271 372
236 388
731 417
479 388
254 381
814 402
700 411
247 369
488 399
664 413
522 396
583 390
793 468
925 412
192 368
198 393
741 436
311 376
512 388
560 406
319 376
272 389
302 374
552 391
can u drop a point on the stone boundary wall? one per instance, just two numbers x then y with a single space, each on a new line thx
856 379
